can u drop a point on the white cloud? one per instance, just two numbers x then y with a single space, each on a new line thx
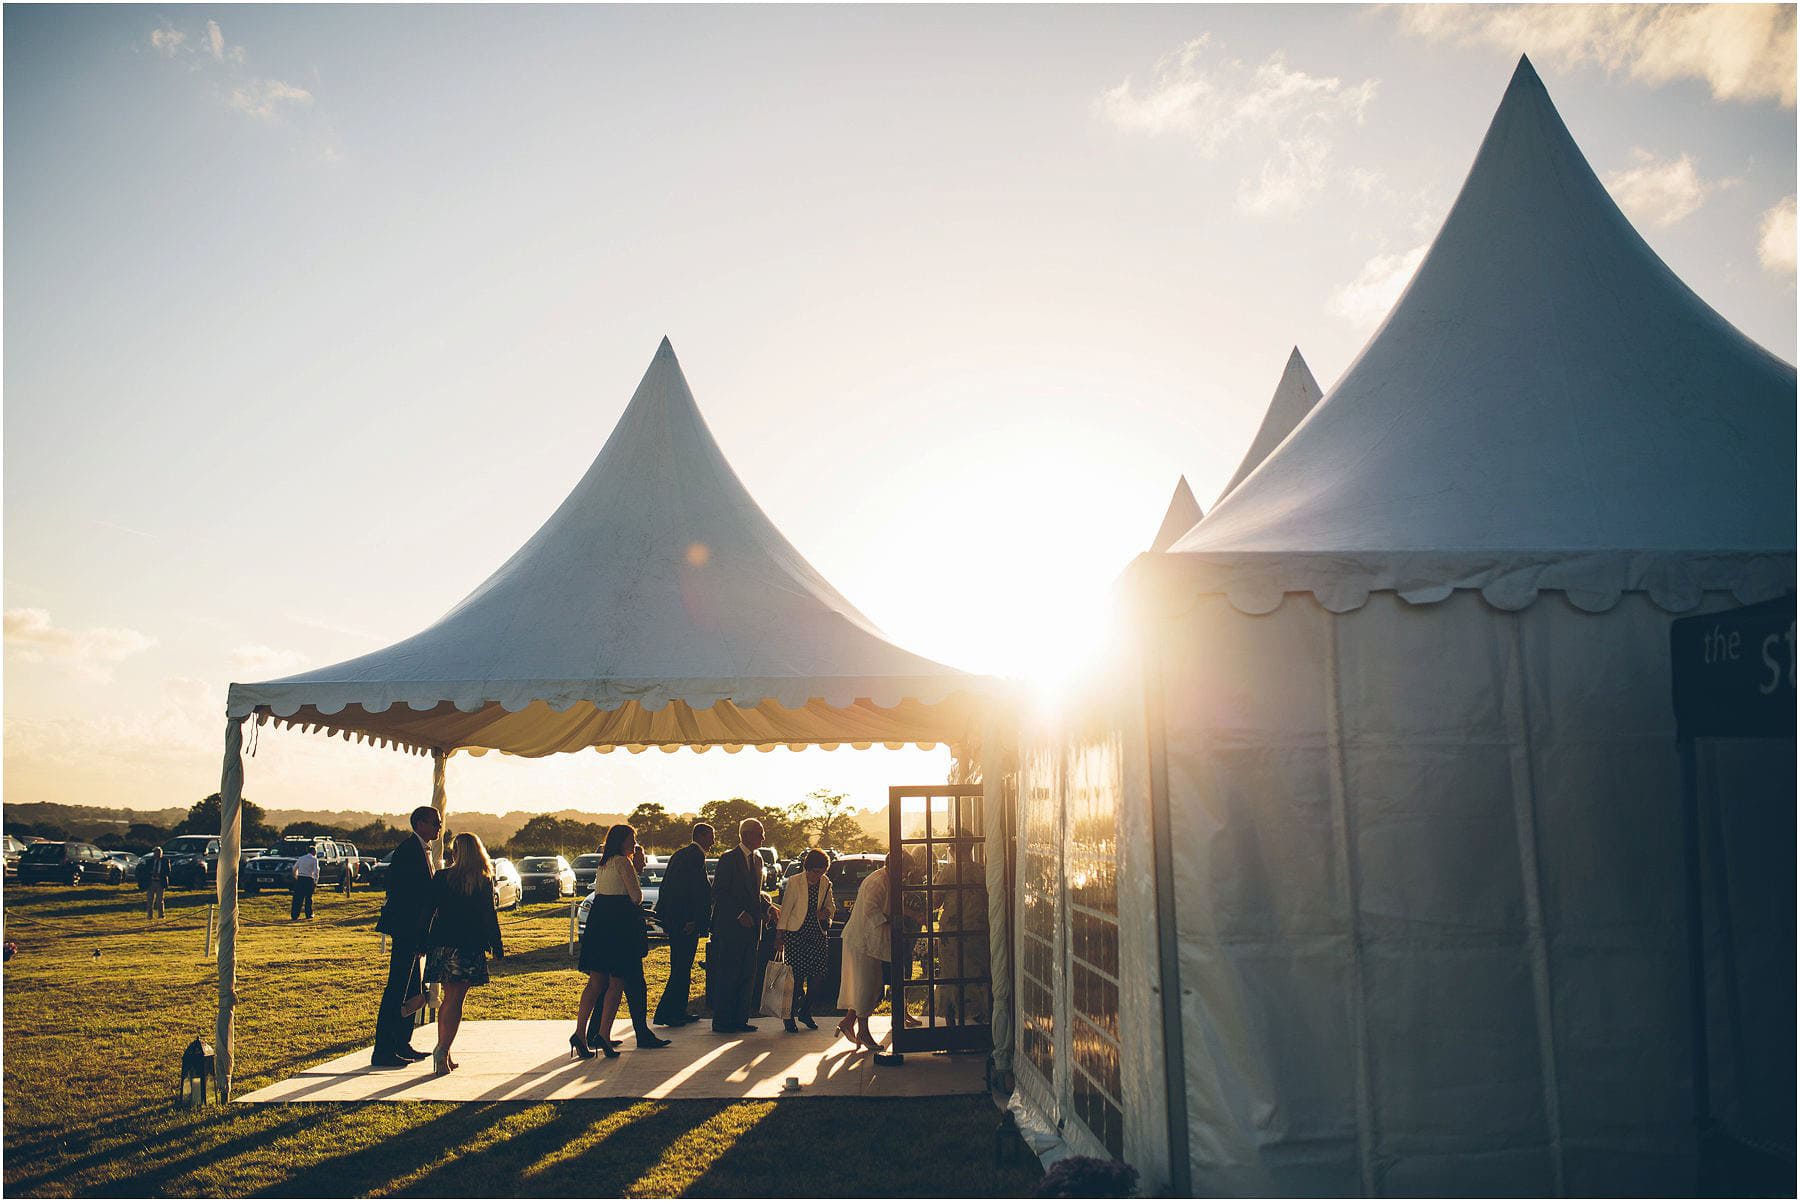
258 97
35 638
257 662
253 95
1742 51
1660 192
1215 102
1367 299
167 40
1775 247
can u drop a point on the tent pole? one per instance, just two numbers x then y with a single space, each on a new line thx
231 845
439 802
1181 1171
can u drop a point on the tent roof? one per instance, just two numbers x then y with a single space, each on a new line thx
657 606
1546 406
1182 513
1295 395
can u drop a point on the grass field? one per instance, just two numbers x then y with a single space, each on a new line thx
99 1003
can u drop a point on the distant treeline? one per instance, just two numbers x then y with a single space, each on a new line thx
823 819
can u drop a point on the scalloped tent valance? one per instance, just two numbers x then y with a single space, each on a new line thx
658 606
1547 407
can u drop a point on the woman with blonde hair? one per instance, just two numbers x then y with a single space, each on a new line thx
464 928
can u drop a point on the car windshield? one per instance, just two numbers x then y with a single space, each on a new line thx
43 851
845 874
538 863
589 861
292 847
650 876
190 845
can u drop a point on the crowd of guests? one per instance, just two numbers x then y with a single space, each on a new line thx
447 918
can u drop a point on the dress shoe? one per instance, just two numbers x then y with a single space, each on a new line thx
388 1060
808 1023
652 1041
690 1017
411 1054
788 1025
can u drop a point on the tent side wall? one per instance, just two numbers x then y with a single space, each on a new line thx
1088 1057
1428 868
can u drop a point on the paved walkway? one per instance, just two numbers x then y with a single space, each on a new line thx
530 1061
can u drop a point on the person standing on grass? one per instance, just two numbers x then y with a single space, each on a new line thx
613 947
800 934
464 928
739 912
405 920
305 884
685 906
156 879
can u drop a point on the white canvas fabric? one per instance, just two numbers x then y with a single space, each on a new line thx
1295 395
1412 679
1181 516
1546 394
658 606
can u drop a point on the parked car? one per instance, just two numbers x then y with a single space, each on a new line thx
652 923
547 875
509 888
846 875
274 869
69 862
193 860
650 881
771 867
378 871
15 847
585 868
127 862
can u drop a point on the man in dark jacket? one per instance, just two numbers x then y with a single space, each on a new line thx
405 919
684 905
739 912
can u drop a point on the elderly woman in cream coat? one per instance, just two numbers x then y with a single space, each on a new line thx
800 933
868 944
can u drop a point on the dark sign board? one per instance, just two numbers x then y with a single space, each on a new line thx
1734 673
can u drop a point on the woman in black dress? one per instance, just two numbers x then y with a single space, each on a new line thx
614 945
800 934
464 928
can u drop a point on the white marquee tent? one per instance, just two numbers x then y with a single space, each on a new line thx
1372 881
657 607
1183 514
1295 395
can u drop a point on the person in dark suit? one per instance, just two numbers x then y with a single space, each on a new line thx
738 914
405 920
685 907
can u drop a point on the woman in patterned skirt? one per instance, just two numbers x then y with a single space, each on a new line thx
800 933
464 928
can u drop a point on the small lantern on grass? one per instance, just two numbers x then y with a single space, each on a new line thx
196 1071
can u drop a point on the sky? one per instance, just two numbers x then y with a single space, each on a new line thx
313 314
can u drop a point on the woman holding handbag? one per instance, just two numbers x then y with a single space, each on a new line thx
464 928
800 934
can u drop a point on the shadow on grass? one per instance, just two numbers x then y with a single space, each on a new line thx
150 1176
543 959
367 1169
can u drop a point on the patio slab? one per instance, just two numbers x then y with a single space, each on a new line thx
529 1061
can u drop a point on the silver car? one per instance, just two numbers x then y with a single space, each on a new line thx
508 889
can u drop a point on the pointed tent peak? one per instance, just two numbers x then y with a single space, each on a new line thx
664 349
1295 395
1183 514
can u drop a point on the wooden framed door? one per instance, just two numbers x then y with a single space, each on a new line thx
942 994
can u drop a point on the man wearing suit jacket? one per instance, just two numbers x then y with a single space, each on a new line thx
738 914
405 919
684 905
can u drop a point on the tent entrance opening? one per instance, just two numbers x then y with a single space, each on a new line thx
942 990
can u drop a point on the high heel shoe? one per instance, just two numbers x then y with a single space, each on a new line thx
440 1061
578 1049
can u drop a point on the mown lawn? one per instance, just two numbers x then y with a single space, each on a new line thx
98 1005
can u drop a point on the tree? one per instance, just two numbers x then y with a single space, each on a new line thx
656 827
725 814
548 835
306 830
203 818
833 821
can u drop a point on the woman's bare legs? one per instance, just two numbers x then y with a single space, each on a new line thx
609 1009
449 1019
590 996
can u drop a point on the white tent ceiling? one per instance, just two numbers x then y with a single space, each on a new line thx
1547 406
657 606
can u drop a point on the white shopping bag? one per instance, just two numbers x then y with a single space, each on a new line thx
778 989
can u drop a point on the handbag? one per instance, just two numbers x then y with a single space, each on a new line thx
778 988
